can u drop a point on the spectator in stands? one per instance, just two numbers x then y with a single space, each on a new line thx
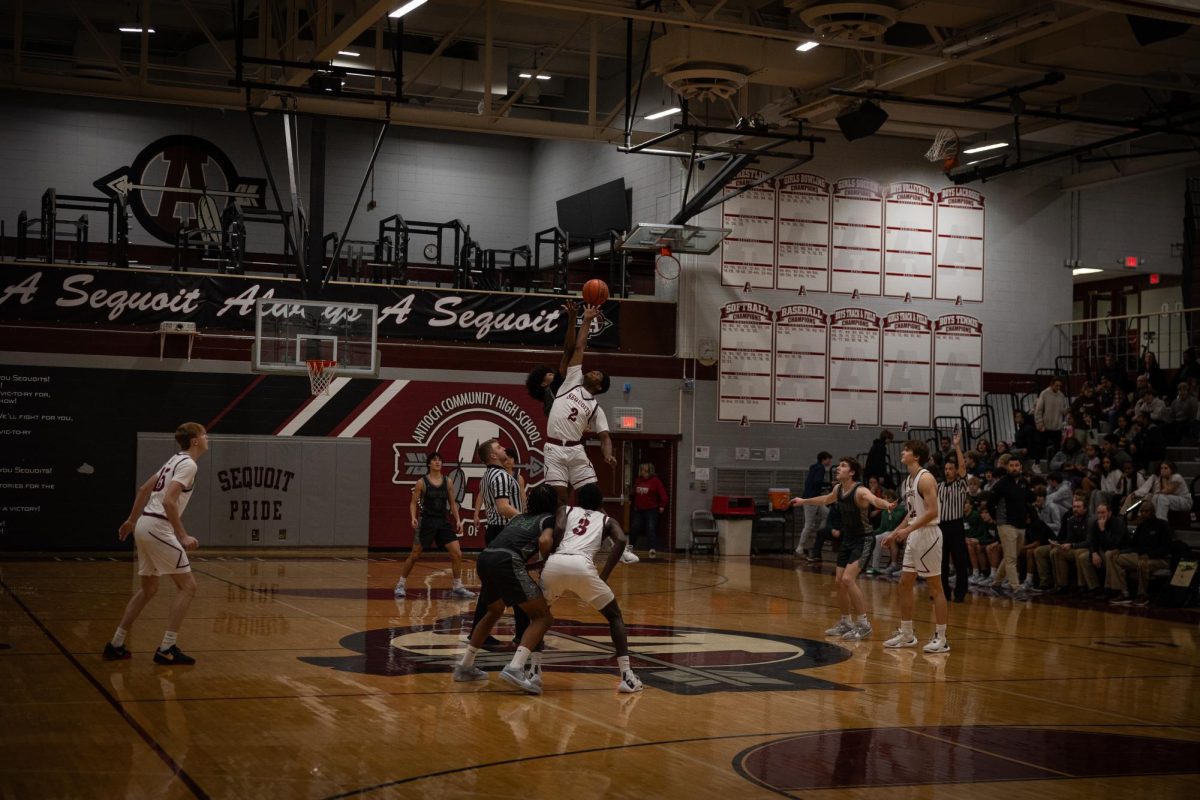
1110 446
1165 492
1189 370
1058 500
1118 414
984 453
944 450
888 521
974 487
1107 532
1114 372
1148 551
1112 481
1068 428
1070 461
1087 431
1048 414
1012 501
1153 373
1147 443
983 545
817 483
1038 533
1087 402
877 459
1182 413
973 467
1060 553
1025 436
1150 404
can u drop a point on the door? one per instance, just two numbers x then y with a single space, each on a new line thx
617 482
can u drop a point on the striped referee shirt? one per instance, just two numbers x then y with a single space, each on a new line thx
497 484
952 499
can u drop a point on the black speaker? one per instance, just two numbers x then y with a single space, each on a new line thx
861 121
1148 31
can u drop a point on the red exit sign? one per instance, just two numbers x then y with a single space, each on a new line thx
1132 262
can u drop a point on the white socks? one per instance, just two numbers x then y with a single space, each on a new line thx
520 657
457 583
168 640
535 662
906 627
469 657
939 631
623 664
118 638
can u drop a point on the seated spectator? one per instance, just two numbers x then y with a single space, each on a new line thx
1058 554
1086 402
831 531
1107 532
1150 404
1111 447
1038 532
1092 451
1148 551
1114 372
1153 373
1025 436
1114 411
1071 461
1147 444
1112 481
1182 413
1058 500
983 544
1121 427
973 466
1087 432
1165 492
888 521
1068 428
984 455
974 486
1189 370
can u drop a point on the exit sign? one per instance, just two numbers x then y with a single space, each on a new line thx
1132 262
628 418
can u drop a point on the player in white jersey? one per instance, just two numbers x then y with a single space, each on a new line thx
571 569
923 549
156 522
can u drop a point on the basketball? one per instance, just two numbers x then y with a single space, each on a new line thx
595 292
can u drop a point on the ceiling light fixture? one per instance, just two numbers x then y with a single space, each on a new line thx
666 112
134 29
804 47
541 76
407 7
980 148
1085 271
350 53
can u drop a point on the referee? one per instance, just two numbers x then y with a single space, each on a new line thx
952 499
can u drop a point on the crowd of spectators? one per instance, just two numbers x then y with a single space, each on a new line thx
1081 500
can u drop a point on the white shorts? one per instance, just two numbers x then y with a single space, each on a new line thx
575 573
158 551
568 466
923 551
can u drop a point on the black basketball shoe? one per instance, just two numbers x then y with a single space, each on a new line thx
116 653
173 655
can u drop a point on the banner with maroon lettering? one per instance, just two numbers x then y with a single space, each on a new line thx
907 369
960 244
801 333
853 367
908 241
745 369
748 252
957 363
857 237
803 233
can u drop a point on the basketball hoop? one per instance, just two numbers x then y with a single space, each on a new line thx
944 149
321 373
666 264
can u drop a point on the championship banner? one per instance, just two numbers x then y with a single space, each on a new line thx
89 296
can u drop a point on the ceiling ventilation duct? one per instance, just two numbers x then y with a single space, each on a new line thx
704 83
846 21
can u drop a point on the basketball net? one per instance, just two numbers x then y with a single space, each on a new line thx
321 373
944 149
666 265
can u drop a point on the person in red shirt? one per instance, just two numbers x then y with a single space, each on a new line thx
649 500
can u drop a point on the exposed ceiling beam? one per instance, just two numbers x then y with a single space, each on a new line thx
115 60
360 17
534 72
1112 172
446 41
1171 12
207 35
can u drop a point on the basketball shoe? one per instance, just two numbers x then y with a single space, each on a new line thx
629 557
516 676
630 683
843 627
467 674
173 656
937 644
902 639
116 653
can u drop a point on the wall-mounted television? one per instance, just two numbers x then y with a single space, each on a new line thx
594 213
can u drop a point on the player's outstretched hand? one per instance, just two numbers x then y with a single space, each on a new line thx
590 313
570 308
797 501
957 438
125 529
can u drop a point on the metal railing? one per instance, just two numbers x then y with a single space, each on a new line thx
1078 347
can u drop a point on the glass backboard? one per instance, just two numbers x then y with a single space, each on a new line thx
289 333
677 238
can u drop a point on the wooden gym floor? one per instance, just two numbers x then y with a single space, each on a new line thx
313 682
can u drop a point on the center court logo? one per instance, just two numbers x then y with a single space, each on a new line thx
686 661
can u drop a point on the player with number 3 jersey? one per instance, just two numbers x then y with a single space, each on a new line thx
571 569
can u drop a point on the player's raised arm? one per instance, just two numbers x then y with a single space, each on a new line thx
571 310
823 500
581 336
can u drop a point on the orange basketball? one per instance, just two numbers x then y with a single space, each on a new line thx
595 292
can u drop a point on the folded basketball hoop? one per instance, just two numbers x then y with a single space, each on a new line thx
321 373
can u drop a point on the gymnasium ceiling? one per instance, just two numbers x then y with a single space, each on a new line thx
736 58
